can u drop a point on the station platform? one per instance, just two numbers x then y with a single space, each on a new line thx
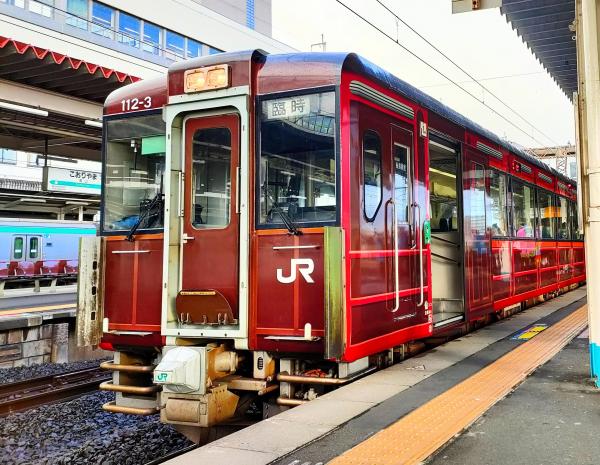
30 310
410 412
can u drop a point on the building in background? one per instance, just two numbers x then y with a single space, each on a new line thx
563 159
59 59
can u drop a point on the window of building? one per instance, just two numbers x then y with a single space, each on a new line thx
250 14
130 29
523 197
151 38
573 169
8 157
42 7
546 216
563 218
498 217
401 182
194 49
17 3
213 51
372 182
103 18
175 45
78 13
211 201
297 171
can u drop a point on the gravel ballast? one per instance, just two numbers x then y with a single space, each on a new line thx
11 375
80 432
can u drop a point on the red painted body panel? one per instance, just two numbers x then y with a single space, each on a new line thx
151 94
283 309
133 283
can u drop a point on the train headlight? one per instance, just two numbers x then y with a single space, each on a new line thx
207 78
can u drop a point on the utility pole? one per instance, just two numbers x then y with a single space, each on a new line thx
321 44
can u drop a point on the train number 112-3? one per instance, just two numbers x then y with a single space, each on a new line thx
133 104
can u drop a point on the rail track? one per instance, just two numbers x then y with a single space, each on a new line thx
26 394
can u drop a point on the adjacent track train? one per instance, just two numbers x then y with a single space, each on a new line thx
277 225
34 250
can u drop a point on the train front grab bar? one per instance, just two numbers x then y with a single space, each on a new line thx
420 241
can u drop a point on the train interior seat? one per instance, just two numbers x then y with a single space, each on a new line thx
446 245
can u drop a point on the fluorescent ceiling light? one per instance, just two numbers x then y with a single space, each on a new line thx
93 123
23 109
443 173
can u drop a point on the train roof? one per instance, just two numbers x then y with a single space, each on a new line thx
360 65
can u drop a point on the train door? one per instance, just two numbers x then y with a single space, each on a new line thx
477 236
387 261
26 247
211 225
446 232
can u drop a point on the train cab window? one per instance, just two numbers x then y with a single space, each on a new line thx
34 248
297 167
133 166
574 215
372 185
523 197
563 218
18 248
498 217
211 194
546 217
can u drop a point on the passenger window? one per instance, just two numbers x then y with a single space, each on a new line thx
401 182
563 218
498 219
372 186
575 234
211 192
477 201
34 248
442 189
18 244
546 217
523 210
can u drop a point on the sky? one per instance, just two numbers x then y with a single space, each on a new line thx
481 42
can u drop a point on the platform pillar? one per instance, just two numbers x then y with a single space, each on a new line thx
588 103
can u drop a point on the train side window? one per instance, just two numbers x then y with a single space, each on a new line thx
18 246
372 176
562 213
477 213
546 218
575 234
211 185
498 218
401 182
34 248
523 197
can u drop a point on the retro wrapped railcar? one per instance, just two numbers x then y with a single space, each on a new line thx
274 225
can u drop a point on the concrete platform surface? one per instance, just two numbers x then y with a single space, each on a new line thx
322 429
553 418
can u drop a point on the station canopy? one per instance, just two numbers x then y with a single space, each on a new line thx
70 90
547 27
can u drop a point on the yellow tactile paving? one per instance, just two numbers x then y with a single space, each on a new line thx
419 434
47 308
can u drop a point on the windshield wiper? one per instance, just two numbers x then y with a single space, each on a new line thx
285 218
148 207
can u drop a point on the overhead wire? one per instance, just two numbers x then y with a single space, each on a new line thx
429 65
467 73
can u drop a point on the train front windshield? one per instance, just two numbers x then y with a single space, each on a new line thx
134 166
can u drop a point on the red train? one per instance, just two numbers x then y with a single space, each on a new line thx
281 223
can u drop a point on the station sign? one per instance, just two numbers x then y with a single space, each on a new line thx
71 180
